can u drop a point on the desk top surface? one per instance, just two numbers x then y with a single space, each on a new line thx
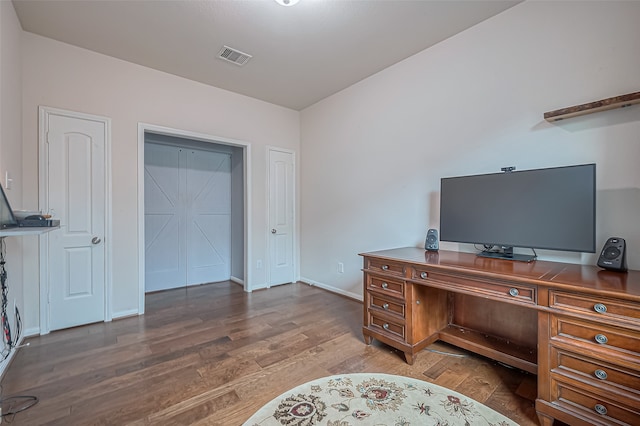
568 276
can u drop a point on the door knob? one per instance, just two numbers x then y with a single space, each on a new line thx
95 240
273 231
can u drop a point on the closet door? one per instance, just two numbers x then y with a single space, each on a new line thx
187 217
208 189
164 211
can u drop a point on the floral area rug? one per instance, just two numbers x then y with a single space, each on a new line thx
374 399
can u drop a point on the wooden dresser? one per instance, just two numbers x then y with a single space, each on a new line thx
576 326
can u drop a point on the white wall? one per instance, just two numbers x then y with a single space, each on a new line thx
10 150
372 155
62 76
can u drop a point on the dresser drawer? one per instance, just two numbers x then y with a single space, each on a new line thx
595 372
602 339
386 267
393 328
378 302
599 308
386 286
597 406
497 290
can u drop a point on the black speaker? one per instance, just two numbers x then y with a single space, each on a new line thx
431 243
613 256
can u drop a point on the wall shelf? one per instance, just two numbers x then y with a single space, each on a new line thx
28 230
591 107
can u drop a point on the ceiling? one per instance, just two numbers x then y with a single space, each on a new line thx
300 54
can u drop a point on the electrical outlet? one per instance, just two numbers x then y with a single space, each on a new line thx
340 267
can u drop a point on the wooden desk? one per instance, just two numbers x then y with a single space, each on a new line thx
576 326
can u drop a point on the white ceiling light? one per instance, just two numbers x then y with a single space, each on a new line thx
287 2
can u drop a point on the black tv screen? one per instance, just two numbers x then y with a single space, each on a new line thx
551 208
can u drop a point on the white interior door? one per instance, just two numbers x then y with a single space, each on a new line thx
75 187
281 217
187 216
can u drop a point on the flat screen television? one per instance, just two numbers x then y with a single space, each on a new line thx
552 208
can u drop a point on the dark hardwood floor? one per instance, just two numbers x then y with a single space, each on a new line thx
212 355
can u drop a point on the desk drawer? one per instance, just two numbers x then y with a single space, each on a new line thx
596 406
386 286
503 291
384 266
610 341
387 305
595 372
597 307
394 328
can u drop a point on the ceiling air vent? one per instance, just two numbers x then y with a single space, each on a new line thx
234 56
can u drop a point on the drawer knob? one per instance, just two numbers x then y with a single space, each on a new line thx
513 292
385 326
601 338
600 409
384 285
385 306
423 275
601 374
385 267
600 308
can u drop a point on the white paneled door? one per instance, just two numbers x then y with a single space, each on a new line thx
281 217
187 216
75 193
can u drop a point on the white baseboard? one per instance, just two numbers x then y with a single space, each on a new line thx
5 363
236 280
332 289
266 286
122 314
28 332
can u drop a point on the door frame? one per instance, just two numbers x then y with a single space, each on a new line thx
202 137
43 201
294 230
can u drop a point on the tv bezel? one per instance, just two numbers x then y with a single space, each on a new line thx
506 251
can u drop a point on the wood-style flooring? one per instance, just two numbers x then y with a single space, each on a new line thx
212 355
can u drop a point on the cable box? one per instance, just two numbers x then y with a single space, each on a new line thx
43 223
